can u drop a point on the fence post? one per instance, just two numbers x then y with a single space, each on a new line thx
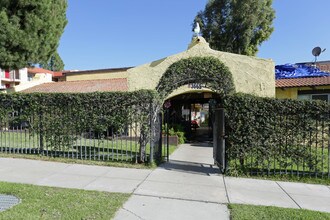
167 135
41 135
158 141
219 147
152 133
222 142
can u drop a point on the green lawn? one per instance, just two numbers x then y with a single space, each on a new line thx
19 139
276 168
78 161
88 161
250 212
320 161
38 202
116 150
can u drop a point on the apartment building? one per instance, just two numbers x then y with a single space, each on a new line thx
18 80
11 78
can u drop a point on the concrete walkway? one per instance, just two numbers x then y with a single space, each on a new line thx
188 187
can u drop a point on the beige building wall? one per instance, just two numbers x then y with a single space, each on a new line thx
38 79
250 74
287 93
292 93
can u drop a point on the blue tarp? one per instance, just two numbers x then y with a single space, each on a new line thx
297 71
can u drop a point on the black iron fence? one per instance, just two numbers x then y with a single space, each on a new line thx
263 136
93 143
277 137
100 126
286 149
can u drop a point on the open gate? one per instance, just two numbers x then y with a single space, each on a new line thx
219 143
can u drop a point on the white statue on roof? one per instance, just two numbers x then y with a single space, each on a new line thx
197 29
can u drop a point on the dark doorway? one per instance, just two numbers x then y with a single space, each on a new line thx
193 114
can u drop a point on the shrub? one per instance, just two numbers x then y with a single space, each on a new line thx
58 118
272 135
175 130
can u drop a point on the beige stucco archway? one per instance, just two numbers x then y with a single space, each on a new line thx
251 75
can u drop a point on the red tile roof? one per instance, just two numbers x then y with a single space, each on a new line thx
36 70
57 74
300 82
84 86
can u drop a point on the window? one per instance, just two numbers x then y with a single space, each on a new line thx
304 97
7 74
30 77
323 97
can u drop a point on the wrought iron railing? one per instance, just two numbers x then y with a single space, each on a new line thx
26 136
294 145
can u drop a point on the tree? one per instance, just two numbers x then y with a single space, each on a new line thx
30 31
236 26
55 63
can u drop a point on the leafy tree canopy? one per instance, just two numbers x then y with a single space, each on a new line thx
30 31
237 26
55 63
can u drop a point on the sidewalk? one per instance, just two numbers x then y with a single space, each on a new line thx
187 187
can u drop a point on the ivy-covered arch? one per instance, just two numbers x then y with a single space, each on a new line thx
205 70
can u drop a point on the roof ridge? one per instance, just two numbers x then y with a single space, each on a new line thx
92 80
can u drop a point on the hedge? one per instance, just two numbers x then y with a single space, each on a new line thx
272 135
57 116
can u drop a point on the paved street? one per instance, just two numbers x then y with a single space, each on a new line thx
189 186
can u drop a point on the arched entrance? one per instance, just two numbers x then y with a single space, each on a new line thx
209 80
207 71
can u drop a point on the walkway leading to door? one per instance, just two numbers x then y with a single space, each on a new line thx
188 187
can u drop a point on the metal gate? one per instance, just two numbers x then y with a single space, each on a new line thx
219 143
165 136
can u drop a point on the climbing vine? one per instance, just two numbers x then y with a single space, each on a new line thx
209 71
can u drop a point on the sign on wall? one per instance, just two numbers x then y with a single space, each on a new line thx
196 86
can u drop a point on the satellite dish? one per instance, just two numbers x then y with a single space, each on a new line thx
316 51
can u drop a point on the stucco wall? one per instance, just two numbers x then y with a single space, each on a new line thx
288 93
23 75
292 93
38 79
250 74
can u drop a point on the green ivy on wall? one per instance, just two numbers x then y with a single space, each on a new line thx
205 70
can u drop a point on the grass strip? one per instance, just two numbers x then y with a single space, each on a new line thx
251 212
39 202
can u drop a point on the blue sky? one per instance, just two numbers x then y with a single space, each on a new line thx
122 33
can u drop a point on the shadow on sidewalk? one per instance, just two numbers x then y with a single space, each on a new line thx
202 144
190 167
